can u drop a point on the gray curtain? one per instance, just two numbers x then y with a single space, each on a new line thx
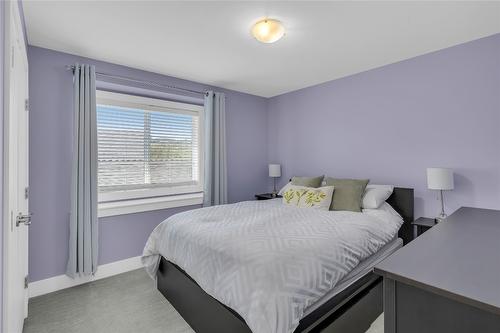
215 178
83 217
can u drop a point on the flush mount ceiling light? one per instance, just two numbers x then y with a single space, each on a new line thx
268 30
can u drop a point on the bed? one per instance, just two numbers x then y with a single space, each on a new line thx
225 282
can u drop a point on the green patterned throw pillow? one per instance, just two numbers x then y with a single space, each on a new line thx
310 197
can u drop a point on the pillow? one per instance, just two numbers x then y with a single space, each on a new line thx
307 181
376 195
311 197
348 193
285 188
303 181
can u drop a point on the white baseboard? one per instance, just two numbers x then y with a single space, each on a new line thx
59 282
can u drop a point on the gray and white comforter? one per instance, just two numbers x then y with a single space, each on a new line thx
265 260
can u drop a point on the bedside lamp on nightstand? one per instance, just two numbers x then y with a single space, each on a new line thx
274 172
440 179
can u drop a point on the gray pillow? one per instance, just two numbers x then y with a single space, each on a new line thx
348 193
308 181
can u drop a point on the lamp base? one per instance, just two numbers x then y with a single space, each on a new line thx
441 217
274 194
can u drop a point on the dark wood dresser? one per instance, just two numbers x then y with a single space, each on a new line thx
448 279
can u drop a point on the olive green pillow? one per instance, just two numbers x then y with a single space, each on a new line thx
307 181
348 194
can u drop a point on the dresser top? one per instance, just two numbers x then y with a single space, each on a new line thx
459 258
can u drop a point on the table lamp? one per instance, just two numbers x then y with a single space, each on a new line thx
440 179
274 172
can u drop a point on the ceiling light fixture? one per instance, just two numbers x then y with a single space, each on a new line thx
268 30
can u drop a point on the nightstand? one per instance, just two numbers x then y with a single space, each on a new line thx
266 196
421 225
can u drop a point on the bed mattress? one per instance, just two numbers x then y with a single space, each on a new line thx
357 273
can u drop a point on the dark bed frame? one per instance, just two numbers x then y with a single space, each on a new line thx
352 310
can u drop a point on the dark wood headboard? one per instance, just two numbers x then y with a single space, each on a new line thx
402 201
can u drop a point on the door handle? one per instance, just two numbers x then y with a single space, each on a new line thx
24 219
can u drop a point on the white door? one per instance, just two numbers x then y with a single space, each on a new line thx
16 217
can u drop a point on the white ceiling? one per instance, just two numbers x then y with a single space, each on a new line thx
209 41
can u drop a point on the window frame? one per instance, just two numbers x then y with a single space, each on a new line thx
139 197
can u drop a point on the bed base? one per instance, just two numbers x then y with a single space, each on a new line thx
350 311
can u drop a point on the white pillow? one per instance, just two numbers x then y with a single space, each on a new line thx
376 195
284 188
310 197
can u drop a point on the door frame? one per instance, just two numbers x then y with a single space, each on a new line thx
11 12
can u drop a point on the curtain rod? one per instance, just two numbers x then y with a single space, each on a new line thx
150 83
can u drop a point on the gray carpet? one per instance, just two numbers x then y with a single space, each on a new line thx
123 303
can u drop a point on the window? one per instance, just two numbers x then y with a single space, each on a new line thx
147 147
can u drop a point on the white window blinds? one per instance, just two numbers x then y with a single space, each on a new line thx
147 144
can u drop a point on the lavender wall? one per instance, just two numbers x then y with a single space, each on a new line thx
50 162
389 124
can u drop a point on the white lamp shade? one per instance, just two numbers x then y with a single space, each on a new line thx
440 179
274 170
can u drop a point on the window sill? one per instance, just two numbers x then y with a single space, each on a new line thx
145 205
